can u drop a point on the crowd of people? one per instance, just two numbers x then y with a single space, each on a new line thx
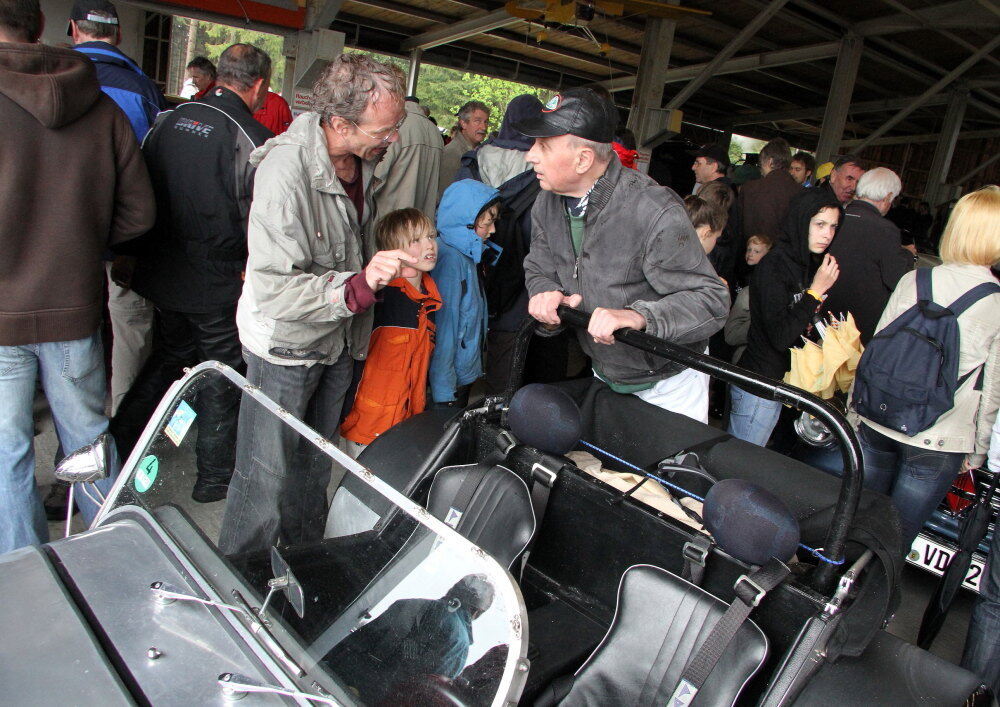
315 254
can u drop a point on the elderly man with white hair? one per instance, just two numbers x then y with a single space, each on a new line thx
869 252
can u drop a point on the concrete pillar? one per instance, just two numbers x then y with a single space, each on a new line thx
937 177
647 98
839 101
414 73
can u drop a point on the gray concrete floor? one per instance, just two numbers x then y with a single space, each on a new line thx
918 586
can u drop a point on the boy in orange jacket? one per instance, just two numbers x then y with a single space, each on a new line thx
393 385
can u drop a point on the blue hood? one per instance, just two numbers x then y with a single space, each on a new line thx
457 212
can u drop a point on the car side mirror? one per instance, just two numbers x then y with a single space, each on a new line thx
89 463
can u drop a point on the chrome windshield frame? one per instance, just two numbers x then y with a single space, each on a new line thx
505 587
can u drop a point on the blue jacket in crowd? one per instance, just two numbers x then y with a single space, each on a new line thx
461 322
123 80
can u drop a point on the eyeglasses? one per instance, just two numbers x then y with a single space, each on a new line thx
385 140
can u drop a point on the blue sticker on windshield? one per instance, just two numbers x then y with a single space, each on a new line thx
180 423
145 473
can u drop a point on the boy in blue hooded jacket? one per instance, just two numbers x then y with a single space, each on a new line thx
465 220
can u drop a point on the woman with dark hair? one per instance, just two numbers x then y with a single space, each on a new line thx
786 293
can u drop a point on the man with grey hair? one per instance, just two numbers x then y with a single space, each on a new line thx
762 203
615 241
305 313
473 126
867 247
191 264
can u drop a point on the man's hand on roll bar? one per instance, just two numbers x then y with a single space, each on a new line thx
605 322
543 306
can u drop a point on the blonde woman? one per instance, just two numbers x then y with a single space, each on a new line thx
917 471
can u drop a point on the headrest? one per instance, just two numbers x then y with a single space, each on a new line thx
750 523
546 418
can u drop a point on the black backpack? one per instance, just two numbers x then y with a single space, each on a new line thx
908 375
505 279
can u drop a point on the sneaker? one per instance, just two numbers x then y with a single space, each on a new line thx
209 490
56 501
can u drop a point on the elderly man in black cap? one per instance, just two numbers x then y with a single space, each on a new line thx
621 245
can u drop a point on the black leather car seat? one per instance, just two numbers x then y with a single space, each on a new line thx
660 621
488 504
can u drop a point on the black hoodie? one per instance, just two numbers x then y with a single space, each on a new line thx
780 310
72 182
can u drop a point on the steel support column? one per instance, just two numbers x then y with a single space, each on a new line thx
941 163
648 95
414 72
838 104
735 44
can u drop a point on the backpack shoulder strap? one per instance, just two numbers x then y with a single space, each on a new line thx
983 289
925 291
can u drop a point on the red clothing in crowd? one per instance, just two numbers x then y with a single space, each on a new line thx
276 116
202 94
626 156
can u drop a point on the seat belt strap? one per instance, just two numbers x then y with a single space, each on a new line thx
749 592
695 556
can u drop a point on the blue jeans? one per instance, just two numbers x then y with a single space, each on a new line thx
72 374
916 478
751 418
982 644
279 485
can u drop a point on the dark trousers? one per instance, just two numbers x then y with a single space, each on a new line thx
279 485
182 339
916 478
982 645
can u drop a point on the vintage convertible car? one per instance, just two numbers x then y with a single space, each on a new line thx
476 557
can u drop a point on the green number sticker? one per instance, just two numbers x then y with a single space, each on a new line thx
145 474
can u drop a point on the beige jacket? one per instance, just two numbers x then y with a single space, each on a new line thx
411 168
967 426
451 160
305 241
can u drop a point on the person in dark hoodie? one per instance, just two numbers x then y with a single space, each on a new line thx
787 291
59 129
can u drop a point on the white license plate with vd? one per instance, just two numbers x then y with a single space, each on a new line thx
935 557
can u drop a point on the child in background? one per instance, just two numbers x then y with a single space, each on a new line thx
393 385
465 222
738 323
708 219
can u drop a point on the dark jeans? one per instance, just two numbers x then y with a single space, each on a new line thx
179 340
279 486
916 479
982 644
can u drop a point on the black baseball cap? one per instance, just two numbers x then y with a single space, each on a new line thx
93 11
578 111
716 153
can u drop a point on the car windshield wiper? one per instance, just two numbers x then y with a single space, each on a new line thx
235 686
258 625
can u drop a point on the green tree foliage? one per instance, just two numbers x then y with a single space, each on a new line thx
211 39
443 91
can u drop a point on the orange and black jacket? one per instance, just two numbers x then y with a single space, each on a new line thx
393 385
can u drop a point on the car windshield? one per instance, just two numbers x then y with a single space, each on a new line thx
393 602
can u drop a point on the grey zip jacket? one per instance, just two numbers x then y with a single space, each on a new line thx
639 252
305 241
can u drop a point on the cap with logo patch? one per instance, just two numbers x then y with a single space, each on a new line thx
578 111
93 11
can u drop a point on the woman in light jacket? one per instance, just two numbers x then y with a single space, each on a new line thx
918 471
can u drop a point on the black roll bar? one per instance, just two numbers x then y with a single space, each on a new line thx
850 447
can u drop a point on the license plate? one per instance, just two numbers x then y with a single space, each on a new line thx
935 557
